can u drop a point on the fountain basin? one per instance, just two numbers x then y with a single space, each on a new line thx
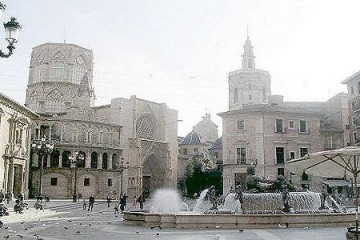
239 221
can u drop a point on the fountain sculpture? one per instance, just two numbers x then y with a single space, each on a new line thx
250 209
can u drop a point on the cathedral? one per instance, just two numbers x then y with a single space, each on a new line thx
127 147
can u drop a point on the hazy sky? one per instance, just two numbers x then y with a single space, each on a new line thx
181 51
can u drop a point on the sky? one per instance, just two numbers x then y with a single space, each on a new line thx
180 52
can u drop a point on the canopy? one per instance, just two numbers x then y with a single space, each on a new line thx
338 163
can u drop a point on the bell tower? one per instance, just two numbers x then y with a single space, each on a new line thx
248 85
248 61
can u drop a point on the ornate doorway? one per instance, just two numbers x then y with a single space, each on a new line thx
154 175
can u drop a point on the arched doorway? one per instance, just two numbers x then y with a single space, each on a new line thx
154 175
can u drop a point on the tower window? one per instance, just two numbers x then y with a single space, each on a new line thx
236 95
240 124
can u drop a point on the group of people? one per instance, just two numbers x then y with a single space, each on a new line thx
5 196
119 206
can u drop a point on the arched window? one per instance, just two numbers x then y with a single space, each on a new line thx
54 159
105 161
58 69
94 160
66 159
236 95
115 161
79 70
55 101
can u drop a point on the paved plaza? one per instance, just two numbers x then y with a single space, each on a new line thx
67 220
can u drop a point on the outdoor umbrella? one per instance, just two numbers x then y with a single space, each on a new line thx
338 163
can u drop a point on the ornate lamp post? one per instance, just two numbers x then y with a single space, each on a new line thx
12 30
75 158
43 147
123 165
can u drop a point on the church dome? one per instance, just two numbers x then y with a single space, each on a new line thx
192 138
207 129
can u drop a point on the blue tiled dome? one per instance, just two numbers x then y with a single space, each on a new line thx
192 138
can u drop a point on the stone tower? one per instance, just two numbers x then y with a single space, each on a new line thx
248 85
60 77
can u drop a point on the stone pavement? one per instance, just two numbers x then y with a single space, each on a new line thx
66 220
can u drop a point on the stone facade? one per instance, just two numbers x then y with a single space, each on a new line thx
15 130
248 85
128 146
262 130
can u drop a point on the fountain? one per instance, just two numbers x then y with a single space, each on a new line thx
243 210
258 210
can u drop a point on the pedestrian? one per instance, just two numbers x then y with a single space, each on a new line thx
134 202
116 208
2 196
91 202
141 200
74 197
122 203
108 200
84 204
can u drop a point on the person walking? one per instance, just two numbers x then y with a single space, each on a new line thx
141 200
134 202
91 202
108 200
84 204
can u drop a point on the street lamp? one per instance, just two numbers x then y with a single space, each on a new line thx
75 158
12 30
123 165
43 147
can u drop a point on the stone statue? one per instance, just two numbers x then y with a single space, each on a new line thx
286 197
212 197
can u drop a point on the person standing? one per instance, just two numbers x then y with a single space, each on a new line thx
134 202
84 204
108 200
141 200
91 202
2 196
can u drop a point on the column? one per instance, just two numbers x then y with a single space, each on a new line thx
100 160
60 158
110 159
48 160
10 178
88 160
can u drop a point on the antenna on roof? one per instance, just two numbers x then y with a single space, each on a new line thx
64 35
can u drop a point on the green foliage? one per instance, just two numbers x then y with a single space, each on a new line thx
197 178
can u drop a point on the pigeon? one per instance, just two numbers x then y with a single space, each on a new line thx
7 236
241 230
20 236
69 220
66 227
22 222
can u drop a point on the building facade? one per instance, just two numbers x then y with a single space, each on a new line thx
128 146
15 131
264 131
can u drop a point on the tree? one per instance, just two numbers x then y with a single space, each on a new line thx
200 174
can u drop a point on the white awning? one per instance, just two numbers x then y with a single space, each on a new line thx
337 183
